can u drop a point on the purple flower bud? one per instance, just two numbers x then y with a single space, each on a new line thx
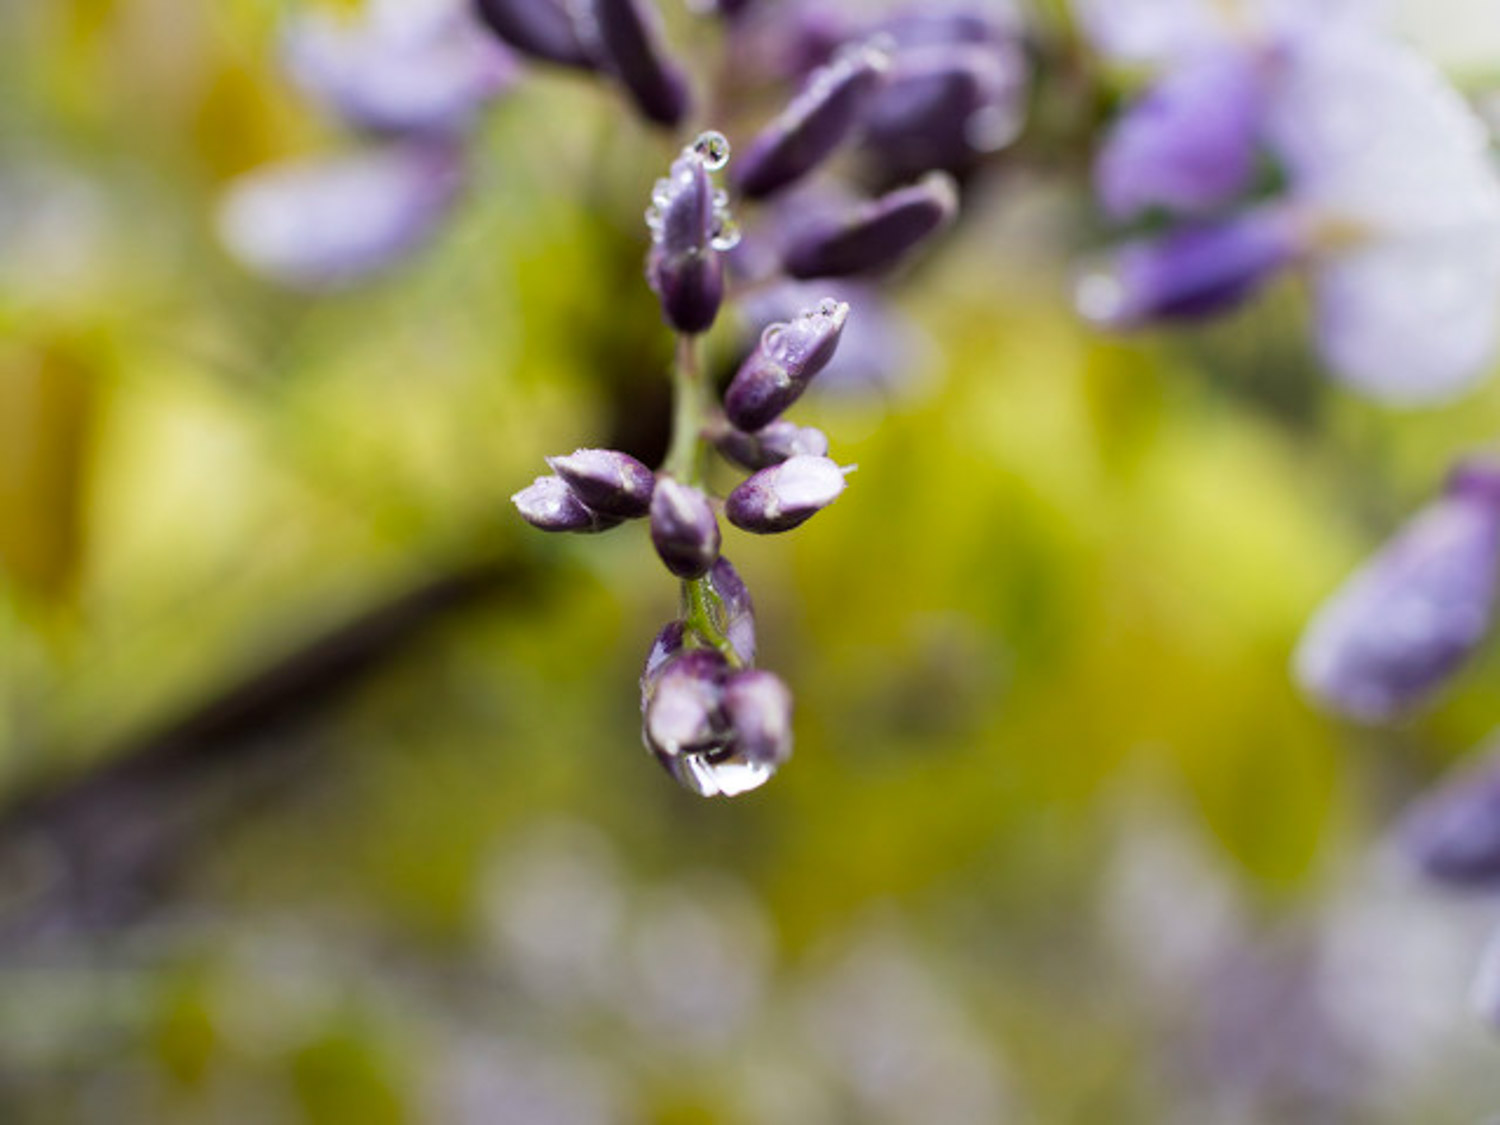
736 619
876 235
818 119
690 228
944 107
327 223
668 643
422 68
1193 272
785 361
785 495
684 528
1453 833
609 482
543 29
772 444
1405 623
1190 145
758 708
548 503
682 706
627 35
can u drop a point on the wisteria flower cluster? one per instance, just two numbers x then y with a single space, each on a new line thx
1268 139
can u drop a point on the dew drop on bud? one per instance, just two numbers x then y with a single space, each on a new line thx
712 148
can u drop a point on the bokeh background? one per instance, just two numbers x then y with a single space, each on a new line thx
323 793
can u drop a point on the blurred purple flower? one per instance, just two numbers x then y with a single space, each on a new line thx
405 66
1411 617
327 222
1452 834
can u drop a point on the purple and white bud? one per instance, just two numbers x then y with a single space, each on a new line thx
758 709
785 495
407 68
772 444
1407 621
944 107
735 612
782 365
682 706
543 29
609 482
876 235
627 33
684 528
549 504
329 222
668 643
817 120
690 228
1192 272
1452 834
1190 145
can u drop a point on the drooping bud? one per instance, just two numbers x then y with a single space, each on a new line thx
785 495
876 235
682 706
1190 145
1411 617
758 708
735 612
628 36
684 528
944 107
1453 833
690 229
543 29
549 504
772 444
609 482
328 223
782 365
816 121
1192 272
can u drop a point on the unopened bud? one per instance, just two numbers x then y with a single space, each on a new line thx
682 709
818 119
690 229
543 29
785 361
628 34
773 444
735 613
758 709
876 235
684 528
785 495
549 504
1453 834
609 482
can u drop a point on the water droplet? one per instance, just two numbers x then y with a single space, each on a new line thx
710 775
828 306
771 341
726 235
712 148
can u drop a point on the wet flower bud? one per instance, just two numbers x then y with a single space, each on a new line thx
682 707
785 495
609 482
1453 833
773 444
876 235
1190 144
805 133
785 361
690 228
758 708
549 504
735 616
627 34
684 528
1192 272
1410 618
543 29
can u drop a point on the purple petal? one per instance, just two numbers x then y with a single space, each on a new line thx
328 222
1453 833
